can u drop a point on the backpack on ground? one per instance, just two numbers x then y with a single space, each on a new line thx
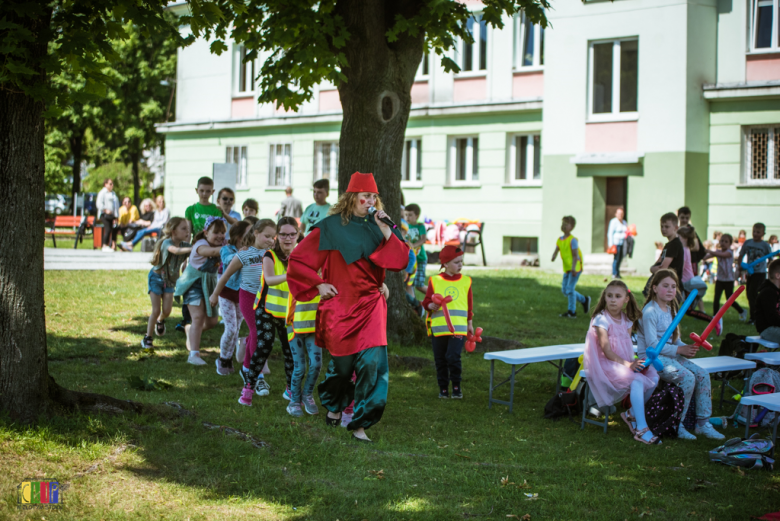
663 410
769 379
751 453
562 404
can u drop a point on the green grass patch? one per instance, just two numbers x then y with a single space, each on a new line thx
438 459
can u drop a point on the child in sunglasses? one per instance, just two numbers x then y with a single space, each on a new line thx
225 199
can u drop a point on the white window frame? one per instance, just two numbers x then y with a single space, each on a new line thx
411 162
273 164
519 41
615 115
241 173
459 52
246 69
773 141
470 180
774 41
332 161
529 159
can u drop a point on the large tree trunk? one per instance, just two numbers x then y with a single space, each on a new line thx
134 158
23 368
76 149
376 100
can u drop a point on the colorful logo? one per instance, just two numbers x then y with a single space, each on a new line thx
38 494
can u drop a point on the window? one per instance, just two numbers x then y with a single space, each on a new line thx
326 160
473 56
523 245
614 69
411 162
237 155
245 79
766 25
529 43
280 164
762 160
464 159
525 153
423 69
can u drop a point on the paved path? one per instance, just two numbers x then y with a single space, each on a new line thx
70 259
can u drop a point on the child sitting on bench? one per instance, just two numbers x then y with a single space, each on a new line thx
609 359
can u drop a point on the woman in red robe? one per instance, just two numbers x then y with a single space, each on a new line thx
353 251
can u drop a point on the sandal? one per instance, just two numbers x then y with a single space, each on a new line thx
628 419
332 422
653 441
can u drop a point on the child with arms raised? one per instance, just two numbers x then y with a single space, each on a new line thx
199 280
169 254
609 359
657 316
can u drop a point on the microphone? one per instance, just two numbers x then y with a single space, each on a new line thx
386 220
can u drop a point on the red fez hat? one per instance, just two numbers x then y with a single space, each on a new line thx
449 253
362 183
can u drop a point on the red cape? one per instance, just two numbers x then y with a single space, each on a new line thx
356 319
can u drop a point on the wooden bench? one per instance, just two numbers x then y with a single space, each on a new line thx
78 227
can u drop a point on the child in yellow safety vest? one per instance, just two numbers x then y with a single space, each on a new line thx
301 325
571 256
271 312
448 341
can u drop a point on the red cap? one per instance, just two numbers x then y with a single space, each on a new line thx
449 253
362 183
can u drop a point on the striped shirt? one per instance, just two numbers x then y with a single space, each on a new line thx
252 262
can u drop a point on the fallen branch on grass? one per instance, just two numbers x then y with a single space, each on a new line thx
239 434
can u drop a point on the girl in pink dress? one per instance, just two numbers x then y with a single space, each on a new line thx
609 359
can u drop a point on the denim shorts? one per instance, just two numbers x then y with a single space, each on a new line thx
157 285
194 295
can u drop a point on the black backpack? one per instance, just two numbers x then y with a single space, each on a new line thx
562 404
736 346
663 410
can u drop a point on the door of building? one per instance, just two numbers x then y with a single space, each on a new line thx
617 197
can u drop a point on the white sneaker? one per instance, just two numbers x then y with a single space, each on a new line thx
743 316
709 431
684 434
107 249
262 388
195 359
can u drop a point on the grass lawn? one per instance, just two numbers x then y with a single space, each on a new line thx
433 459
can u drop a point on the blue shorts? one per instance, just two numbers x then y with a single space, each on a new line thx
194 295
157 285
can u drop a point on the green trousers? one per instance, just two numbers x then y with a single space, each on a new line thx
369 390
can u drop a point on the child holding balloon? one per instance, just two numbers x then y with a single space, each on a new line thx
657 316
449 329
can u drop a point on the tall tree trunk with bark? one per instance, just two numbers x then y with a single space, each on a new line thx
376 101
134 158
77 150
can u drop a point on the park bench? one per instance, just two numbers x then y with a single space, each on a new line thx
78 227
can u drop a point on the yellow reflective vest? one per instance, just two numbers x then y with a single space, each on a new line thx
304 318
276 298
458 308
564 246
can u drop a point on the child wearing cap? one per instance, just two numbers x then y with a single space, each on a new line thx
448 343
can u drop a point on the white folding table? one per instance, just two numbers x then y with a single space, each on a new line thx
554 355
771 402
721 364
767 358
757 340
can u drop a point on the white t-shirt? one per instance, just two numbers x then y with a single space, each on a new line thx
252 262
726 268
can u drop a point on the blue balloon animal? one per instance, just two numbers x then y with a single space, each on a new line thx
651 354
749 267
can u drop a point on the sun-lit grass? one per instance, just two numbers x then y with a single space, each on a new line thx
439 459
